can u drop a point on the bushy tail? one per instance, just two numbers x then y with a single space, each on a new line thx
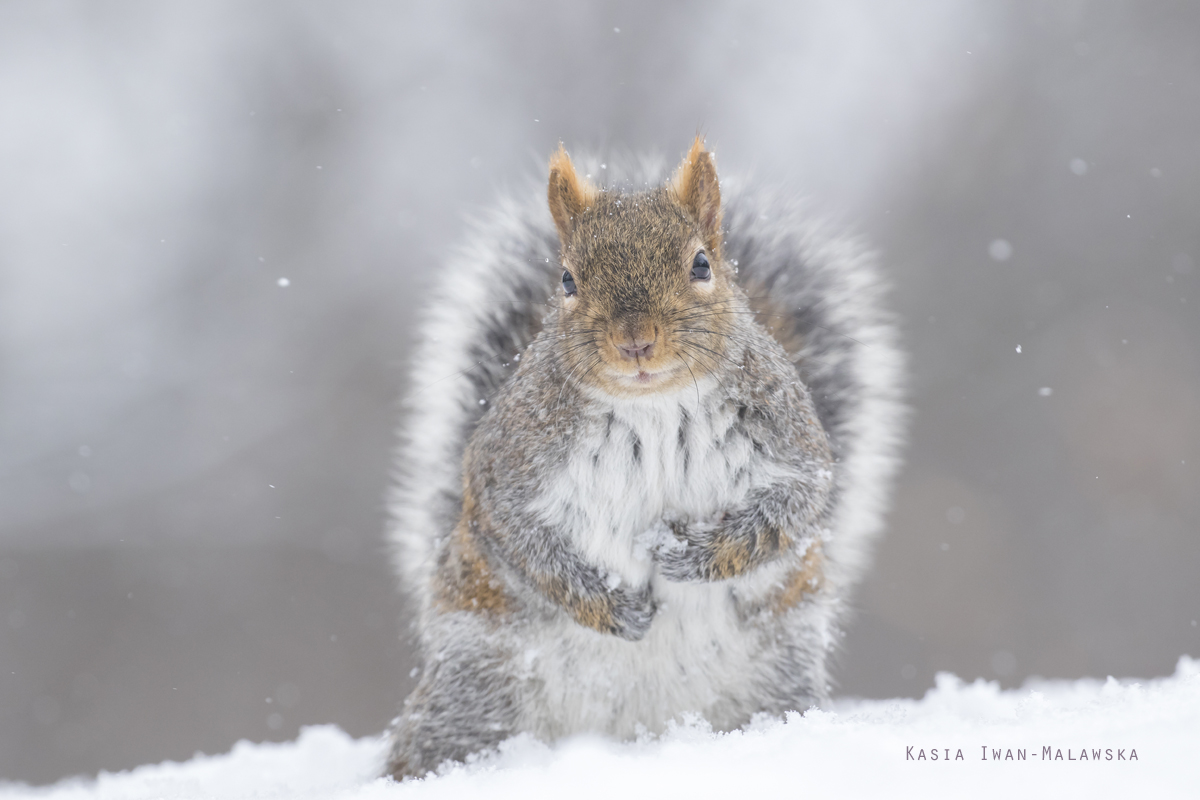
487 307
821 297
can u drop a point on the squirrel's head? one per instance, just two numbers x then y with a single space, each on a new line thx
647 304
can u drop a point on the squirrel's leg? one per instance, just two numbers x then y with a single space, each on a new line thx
773 521
546 559
463 704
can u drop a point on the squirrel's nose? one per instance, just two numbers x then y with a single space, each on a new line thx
638 347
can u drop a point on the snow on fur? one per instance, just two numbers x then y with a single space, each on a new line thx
856 748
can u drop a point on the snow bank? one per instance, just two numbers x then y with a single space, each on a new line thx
1083 738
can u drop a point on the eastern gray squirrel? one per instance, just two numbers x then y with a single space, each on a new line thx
650 447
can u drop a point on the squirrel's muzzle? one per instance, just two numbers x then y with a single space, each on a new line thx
638 344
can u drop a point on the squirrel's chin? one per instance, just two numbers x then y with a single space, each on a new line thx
642 381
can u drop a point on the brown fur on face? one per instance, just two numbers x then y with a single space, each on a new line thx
631 257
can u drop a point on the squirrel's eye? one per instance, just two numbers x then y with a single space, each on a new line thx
700 268
568 283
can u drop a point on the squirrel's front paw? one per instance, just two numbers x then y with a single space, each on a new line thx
632 612
680 555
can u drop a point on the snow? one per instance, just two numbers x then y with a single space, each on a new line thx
658 536
855 748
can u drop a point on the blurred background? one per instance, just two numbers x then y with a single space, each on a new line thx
217 220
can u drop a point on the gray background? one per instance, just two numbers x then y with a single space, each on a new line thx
193 458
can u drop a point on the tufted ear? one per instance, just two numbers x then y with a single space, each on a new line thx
694 187
569 196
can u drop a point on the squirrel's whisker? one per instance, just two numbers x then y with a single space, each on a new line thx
567 380
694 381
713 365
714 352
750 312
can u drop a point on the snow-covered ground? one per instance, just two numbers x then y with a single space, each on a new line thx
1084 738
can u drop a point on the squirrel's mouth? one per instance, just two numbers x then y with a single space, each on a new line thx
641 379
647 377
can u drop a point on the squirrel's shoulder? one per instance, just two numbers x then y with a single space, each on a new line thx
534 418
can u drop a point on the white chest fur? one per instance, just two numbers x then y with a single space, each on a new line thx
635 462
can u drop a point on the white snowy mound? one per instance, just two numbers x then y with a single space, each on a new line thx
1084 738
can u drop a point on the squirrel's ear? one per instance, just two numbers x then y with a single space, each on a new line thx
568 195
695 188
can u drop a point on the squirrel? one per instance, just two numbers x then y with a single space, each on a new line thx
654 448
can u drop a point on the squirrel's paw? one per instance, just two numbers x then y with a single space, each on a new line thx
632 612
681 554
